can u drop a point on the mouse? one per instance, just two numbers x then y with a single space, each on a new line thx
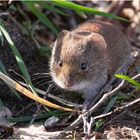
85 57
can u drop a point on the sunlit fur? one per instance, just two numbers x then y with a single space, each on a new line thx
73 53
98 44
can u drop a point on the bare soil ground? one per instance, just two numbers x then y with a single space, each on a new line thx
125 125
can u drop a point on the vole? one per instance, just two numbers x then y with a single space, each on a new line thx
83 58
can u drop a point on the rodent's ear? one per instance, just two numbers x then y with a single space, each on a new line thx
62 34
60 37
98 40
58 43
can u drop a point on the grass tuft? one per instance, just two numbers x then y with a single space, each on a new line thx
128 79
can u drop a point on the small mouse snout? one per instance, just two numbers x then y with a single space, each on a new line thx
68 83
66 76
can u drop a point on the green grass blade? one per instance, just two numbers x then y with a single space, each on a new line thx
1 38
18 57
110 104
16 53
130 80
30 5
98 124
41 116
76 7
2 69
81 14
52 8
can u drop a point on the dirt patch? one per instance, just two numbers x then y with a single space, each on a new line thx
125 125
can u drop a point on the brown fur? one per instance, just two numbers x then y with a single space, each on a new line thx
118 48
98 44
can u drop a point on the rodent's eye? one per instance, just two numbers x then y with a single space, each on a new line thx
83 66
60 63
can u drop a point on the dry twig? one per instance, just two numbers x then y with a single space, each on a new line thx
29 94
105 97
60 100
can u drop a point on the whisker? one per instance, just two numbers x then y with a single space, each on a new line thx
63 91
97 62
41 73
48 90
40 82
46 83
55 88
102 58
40 77
92 60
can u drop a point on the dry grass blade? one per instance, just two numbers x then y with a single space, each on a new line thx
60 100
17 56
29 94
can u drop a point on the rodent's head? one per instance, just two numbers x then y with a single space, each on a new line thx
77 59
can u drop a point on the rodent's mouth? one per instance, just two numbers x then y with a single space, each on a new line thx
63 86
74 87
68 88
